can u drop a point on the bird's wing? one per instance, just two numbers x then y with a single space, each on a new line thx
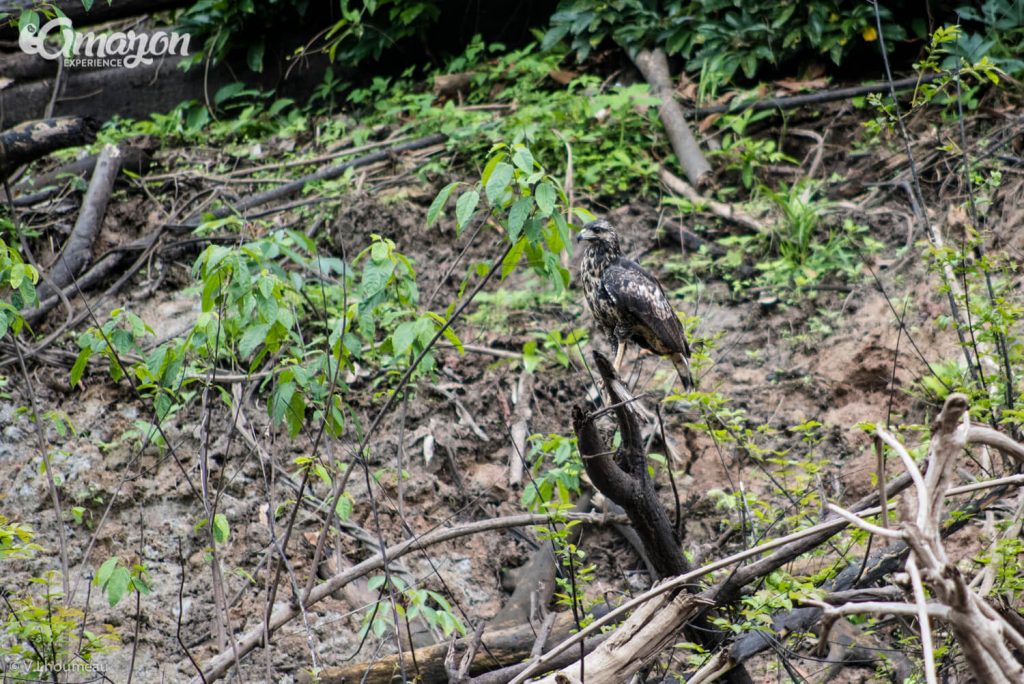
638 295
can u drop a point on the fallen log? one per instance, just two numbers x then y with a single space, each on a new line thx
77 251
497 649
653 64
648 631
21 66
138 92
32 140
737 106
103 268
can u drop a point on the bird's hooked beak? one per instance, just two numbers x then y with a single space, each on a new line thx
585 234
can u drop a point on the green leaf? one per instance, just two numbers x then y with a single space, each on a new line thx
498 183
513 258
16 275
140 584
28 18
523 160
80 363
448 333
221 529
489 169
254 58
403 337
117 585
545 198
437 206
517 216
344 507
103 574
464 208
254 336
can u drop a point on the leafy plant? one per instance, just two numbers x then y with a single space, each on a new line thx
17 289
42 636
740 153
116 579
943 57
555 471
368 27
802 249
224 26
990 333
553 346
577 575
412 603
1000 35
719 38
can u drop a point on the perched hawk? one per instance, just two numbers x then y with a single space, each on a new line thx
628 302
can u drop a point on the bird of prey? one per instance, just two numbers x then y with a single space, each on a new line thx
628 302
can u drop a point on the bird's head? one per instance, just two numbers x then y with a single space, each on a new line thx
600 232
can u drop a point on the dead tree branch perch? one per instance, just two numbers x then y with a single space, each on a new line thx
623 477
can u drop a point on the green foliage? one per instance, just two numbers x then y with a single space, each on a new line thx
780 592
522 198
801 250
1006 555
411 604
555 471
17 289
368 27
554 347
41 635
123 334
608 129
741 154
116 580
238 114
996 310
225 25
943 56
576 575
274 303
719 38
16 540
1000 34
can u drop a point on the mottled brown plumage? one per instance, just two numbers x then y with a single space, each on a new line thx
628 302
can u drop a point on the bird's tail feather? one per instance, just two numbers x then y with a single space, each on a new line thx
682 365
